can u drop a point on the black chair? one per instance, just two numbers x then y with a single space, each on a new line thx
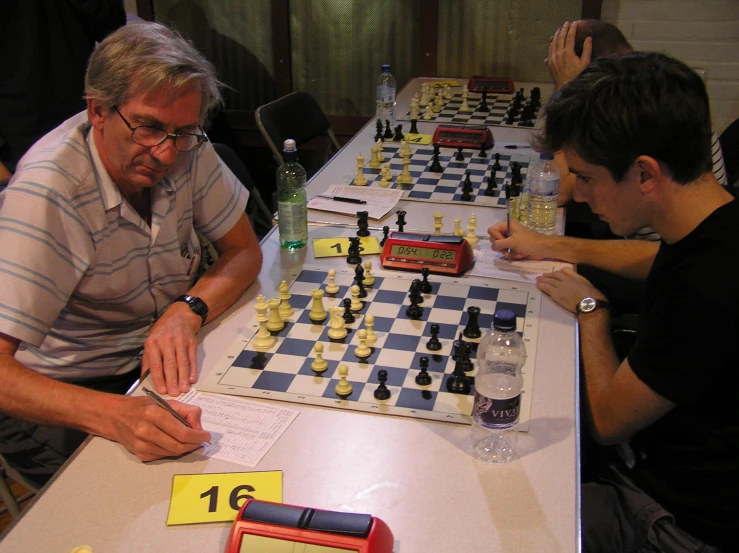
260 216
297 116
729 140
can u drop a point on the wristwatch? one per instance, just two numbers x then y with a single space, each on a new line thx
197 305
588 305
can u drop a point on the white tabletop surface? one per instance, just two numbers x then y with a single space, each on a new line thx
418 476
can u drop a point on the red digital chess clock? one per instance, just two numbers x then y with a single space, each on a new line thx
264 527
450 255
452 136
492 85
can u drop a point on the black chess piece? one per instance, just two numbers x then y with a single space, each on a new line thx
467 188
388 131
472 330
423 378
497 166
363 223
460 154
359 280
466 361
414 126
434 344
416 289
398 134
482 153
511 117
435 162
425 284
492 185
352 257
385 232
456 346
414 311
483 106
401 220
381 392
458 382
378 134
348 316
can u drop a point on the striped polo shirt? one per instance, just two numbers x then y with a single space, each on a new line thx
83 277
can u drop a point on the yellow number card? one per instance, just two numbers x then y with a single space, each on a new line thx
335 247
442 83
200 498
418 138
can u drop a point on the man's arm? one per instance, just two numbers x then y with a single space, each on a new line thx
141 426
618 403
170 350
628 258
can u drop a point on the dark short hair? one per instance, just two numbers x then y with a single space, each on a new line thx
608 40
619 108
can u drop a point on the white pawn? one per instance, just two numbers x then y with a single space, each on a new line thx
375 161
337 325
447 92
379 152
405 149
264 339
465 107
319 364
429 113
458 231
286 310
438 223
275 322
369 279
343 388
437 104
414 109
405 176
369 322
362 350
332 287
360 179
317 311
356 304
471 226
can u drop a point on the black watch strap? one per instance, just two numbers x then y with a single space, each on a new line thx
197 305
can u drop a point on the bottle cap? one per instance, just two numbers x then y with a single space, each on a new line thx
504 319
545 155
289 146
385 68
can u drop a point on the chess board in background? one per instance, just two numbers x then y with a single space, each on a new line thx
446 187
284 371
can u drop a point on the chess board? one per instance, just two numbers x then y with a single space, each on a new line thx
284 371
446 187
496 117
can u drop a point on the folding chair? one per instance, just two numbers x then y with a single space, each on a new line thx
12 503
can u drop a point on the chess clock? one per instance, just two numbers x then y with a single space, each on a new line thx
453 136
264 527
449 255
493 85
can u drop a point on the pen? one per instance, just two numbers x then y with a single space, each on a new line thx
164 405
343 199
508 214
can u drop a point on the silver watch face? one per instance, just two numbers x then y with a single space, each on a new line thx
587 305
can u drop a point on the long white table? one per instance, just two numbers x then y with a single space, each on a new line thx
418 476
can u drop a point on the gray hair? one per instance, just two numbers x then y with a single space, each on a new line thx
140 58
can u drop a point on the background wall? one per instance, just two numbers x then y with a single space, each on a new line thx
702 33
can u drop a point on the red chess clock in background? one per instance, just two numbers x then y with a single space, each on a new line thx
449 255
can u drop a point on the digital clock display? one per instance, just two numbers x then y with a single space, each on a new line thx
263 544
424 253
462 135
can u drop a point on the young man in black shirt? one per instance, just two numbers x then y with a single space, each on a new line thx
636 132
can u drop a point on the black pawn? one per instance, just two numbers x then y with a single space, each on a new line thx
423 378
414 127
388 131
353 254
492 185
457 346
401 220
472 330
466 361
359 280
416 290
414 311
435 162
385 232
460 155
363 223
467 188
398 134
459 382
497 166
484 101
434 344
425 284
482 150
378 134
348 316
381 392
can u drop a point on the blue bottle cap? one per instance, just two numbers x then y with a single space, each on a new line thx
545 155
504 319
385 68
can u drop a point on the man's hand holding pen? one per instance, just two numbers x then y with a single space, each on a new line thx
520 241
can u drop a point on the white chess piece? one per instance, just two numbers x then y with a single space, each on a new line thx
447 92
362 350
375 161
317 311
360 179
437 104
414 109
264 339
458 231
343 388
319 364
369 322
286 310
471 226
275 322
356 304
379 152
337 325
405 176
369 279
438 223
405 149
332 288
429 113
465 107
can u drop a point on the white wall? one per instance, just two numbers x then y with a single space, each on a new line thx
702 33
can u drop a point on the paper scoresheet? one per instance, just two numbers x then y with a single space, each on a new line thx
379 201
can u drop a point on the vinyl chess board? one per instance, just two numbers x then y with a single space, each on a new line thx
496 117
446 187
284 371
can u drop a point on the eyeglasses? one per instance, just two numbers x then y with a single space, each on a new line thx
145 135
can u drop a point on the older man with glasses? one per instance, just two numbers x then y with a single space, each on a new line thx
100 258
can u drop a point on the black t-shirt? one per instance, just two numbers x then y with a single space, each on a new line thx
688 352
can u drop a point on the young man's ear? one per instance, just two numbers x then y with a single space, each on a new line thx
649 172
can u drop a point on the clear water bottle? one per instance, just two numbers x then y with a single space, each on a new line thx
292 209
386 96
543 185
500 356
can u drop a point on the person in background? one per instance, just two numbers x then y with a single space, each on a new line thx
100 264
646 161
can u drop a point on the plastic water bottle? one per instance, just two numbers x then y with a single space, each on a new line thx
543 185
386 96
292 209
500 356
